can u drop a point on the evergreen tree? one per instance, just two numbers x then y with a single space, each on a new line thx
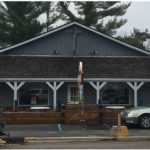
136 38
18 21
51 9
92 14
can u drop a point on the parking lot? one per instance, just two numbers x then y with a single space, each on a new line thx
53 130
73 136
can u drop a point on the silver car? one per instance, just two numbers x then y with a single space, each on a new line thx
136 115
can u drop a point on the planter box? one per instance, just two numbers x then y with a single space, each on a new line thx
32 117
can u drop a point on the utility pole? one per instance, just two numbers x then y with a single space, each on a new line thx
80 91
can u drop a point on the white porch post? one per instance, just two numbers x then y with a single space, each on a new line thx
97 87
15 88
54 87
135 87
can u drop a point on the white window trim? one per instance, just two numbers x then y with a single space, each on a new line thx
69 94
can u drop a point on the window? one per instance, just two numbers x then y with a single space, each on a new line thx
33 97
115 93
73 94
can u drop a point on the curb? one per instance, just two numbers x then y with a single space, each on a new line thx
66 139
72 139
82 139
134 138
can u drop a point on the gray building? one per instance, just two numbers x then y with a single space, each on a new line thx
43 70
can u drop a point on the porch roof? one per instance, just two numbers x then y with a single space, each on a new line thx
67 67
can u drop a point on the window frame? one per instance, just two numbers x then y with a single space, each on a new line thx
129 100
48 95
69 94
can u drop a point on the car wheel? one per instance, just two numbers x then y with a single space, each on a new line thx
145 121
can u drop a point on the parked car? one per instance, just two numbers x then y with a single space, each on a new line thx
137 115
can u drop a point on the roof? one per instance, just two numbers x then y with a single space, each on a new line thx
80 25
67 67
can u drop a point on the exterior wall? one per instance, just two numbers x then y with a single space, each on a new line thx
89 98
63 42
62 93
6 95
144 94
90 94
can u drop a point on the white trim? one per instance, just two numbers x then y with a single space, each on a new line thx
48 95
98 87
113 39
131 85
59 85
38 37
15 88
10 85
75 79
69 93
54 87
80 25
102 85
20 85
93 85
117 79
135 87
50 85
139 86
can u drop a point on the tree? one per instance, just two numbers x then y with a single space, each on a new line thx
146 44
18 21
93 14
52 12
136 38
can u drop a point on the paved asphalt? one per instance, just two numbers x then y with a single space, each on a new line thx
54 130
72 136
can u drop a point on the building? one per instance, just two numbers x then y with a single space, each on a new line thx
43 70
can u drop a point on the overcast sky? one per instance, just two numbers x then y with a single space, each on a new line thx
137 16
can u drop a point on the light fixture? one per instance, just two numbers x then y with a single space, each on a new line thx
55 52
94 52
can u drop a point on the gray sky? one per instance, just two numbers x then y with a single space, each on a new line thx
137 16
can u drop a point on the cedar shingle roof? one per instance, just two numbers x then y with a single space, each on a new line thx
67 67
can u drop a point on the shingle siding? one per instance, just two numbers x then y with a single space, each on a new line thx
67 67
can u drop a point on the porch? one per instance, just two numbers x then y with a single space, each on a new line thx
69 114
54 92
107 81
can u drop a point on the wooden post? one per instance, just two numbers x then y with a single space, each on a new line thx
135 87
15 88
97 87
119 119
54 87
